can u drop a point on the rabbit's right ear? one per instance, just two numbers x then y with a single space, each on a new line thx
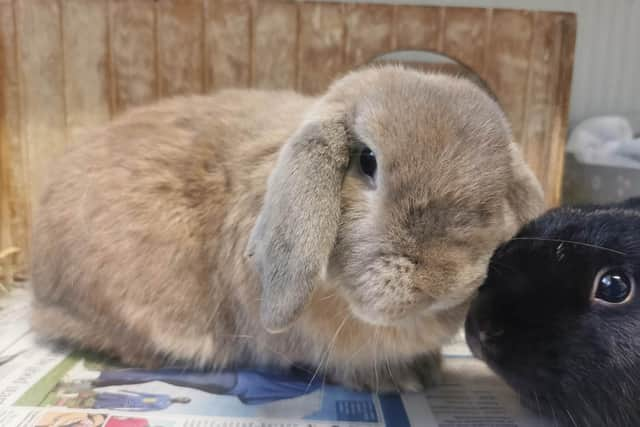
296 230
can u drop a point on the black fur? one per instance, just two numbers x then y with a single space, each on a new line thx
571 359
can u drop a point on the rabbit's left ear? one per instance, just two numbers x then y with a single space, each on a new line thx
525 196
297 227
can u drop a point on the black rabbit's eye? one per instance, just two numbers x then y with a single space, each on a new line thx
368 164
613 286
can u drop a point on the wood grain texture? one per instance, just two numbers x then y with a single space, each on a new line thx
320 57
541 85
368 32
14 191
41 78
275 41
69 64
565 27
465 36
417 28
546 99
180 35
86 70
507 61
132 52
228 43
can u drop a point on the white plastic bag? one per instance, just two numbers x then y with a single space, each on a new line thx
605 140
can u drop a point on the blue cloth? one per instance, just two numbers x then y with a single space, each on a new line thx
252 387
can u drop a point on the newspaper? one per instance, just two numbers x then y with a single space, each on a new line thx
54 387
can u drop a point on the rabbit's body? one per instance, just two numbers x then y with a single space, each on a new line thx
140 242
185 174
559 315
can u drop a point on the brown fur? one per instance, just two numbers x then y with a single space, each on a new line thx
140 238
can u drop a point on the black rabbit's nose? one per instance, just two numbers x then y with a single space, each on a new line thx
488 331
489 334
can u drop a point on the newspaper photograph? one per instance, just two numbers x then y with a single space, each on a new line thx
43 386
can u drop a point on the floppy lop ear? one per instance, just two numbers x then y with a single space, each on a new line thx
525 196
296 229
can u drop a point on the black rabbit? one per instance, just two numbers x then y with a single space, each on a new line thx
558 317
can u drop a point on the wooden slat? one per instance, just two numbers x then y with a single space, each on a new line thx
369 31
180 46
507 62
133 52
320 55
14 203
465 35
543 78
417 28
41 77
566 33
86 69
275 39
228 43
547 98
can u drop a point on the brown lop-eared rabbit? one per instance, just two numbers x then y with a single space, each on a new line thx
346 232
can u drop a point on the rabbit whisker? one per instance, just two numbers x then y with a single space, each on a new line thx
326 297
535 394
332 346
315 373
573 421
494 263
500 269
391 373
375 357
554 418
356 352
573 242
325 360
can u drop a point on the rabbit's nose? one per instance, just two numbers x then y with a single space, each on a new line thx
489 335
488 331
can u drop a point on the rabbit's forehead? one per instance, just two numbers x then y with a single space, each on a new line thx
399 125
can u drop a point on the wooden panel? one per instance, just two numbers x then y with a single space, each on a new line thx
320 57
85 42
565 29
180 46
465 36
41 76
228 43
369 31
507 62
64 69
539 115
417 28
275 40
133 52
14 203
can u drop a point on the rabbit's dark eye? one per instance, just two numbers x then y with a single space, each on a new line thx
613 286
368 164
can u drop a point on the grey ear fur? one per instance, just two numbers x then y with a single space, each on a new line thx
525 196
295 232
